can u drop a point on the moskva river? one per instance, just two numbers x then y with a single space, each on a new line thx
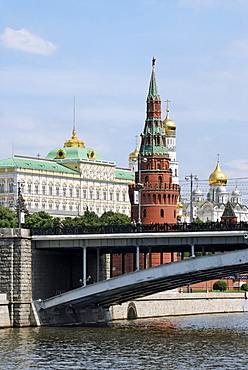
189 342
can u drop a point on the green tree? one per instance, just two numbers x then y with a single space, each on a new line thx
220 285
8 218
112 218
244 287
41 219
89 218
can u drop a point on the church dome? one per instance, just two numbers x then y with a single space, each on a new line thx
134 155
168 124
217 177
236 192
197 191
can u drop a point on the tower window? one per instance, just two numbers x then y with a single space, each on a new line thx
159 166
162 213
146 179
144 213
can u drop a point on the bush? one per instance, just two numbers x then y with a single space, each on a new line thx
244 287
220 285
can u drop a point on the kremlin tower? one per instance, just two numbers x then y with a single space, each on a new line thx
155 193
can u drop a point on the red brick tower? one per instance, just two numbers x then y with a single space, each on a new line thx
153 196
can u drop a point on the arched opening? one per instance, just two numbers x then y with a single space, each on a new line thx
131 312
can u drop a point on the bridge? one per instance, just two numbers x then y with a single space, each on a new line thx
90 303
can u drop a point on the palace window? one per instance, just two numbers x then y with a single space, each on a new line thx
97 194
11 187
64 190
50 190
77 192
29 188
117 196
43 189
36 188
57 190
104 195
1 188
123 197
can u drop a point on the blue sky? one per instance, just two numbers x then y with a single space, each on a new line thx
100 52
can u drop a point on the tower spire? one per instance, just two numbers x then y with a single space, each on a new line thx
153 88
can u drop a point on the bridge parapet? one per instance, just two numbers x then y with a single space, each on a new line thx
115 229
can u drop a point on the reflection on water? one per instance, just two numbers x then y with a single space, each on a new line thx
195 342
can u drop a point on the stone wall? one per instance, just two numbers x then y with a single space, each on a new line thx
16 274
176 304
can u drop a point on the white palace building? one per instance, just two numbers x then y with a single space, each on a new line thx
67 182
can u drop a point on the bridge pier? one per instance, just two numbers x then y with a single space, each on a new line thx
74 316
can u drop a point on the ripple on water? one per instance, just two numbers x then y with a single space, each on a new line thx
195 342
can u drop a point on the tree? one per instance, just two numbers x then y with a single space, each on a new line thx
89 218
112 218
244 287
220 285
8 218
41 219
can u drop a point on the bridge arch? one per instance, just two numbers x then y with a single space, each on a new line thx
131 311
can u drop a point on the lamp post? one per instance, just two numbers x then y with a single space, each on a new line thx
191 177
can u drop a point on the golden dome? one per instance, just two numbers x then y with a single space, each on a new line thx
168 124
74 141
217 177
135 154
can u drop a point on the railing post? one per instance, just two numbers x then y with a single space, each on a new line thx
192 250
137 258
84 266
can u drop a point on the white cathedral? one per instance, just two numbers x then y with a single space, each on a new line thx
212 208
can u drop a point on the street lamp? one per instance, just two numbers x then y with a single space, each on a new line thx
191 178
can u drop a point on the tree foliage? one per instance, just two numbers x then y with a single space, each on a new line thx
40 219
8 218
89 218
244 287
220 285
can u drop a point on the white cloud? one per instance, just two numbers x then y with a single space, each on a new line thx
239 164
24 40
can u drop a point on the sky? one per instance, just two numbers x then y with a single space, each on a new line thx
100 52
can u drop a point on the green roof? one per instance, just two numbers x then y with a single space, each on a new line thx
74 153
34 164
124 174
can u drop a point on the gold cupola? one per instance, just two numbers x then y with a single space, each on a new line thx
217 177
74 141
168 124
133 156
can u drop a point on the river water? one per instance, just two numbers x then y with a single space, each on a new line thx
189 342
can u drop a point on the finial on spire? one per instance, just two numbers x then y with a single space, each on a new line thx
218 157
153 62
74 114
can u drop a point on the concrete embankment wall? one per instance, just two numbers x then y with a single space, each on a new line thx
174 304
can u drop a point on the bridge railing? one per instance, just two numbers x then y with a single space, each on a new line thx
115 229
